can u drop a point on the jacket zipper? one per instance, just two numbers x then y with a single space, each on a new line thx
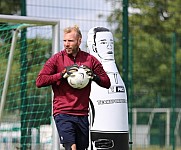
74 60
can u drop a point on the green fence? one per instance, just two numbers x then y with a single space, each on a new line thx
154 90
154 65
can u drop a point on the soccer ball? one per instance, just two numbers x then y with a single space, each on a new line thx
78 79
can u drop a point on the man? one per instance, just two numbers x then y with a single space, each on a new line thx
71 105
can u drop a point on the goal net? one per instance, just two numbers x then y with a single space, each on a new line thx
25 110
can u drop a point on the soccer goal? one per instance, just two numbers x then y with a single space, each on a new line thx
25 111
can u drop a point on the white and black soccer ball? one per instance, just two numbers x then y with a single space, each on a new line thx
78 79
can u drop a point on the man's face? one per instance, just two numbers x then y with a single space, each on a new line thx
71 43
105 45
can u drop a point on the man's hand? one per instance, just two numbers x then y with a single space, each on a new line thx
88 71
69 70
91 74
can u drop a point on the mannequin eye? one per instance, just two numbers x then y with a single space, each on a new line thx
103 43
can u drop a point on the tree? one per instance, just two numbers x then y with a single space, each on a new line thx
10 7
151 23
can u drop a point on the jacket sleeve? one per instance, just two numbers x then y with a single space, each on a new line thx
48 75
98 70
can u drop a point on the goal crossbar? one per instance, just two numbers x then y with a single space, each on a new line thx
28 20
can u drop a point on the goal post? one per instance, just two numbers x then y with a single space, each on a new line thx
10 60
25 44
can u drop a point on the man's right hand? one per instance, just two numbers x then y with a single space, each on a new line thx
69 70
91 75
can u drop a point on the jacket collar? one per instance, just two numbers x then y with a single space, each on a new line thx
71 56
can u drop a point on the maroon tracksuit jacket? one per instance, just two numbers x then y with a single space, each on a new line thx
68 100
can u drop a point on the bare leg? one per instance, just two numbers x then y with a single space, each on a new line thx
69 146
73 147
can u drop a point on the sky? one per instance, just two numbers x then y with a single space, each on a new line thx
69 11
84 13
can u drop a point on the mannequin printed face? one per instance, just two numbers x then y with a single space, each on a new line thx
105 45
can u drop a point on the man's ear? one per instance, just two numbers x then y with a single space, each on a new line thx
94 48
79 40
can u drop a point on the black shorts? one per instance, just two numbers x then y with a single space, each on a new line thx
73 130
